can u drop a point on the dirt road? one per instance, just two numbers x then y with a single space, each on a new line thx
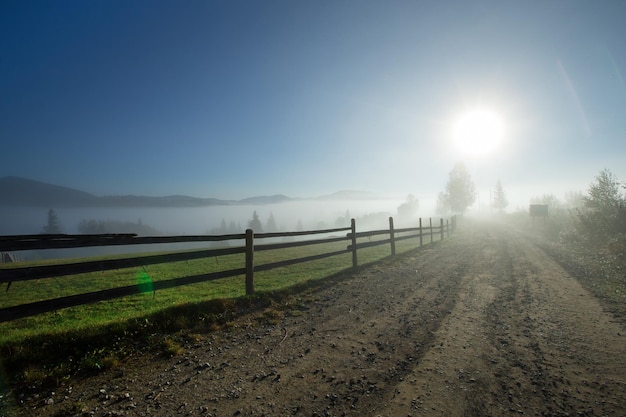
485 323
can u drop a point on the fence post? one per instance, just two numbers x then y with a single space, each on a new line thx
447 228
392 237
421 232
249 262
353 226
441 227
430 222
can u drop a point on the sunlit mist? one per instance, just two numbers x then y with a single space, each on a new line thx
478 132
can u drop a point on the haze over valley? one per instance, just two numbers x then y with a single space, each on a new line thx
133 111
25 204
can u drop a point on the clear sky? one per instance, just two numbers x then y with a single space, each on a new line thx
231 99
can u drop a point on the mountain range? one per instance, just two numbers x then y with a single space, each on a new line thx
24 192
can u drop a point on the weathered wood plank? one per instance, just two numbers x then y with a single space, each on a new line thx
30 242
266 267
287 245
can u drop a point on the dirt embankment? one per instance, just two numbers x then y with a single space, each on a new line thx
485 323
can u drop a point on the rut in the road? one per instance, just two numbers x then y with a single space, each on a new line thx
524 338
354 342
561 353
452 370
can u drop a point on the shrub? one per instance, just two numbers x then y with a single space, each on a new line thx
603 214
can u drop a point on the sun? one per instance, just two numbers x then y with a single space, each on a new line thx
478 132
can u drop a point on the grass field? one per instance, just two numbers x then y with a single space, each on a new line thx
49 347
82 318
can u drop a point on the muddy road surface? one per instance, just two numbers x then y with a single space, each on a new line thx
482 324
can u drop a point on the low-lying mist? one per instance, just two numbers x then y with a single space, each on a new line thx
288 217
200 220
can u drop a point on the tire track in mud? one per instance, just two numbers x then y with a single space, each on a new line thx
566 354
450 372
523 339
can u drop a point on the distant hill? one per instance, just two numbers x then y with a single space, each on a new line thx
350 195
167 201
23 192
16 191
272 199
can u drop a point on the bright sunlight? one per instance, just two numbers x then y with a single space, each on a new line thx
478 132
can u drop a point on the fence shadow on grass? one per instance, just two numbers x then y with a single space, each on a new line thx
327 237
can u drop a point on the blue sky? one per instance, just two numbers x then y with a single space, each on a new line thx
230 99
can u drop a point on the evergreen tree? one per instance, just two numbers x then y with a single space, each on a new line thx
604 206
94 227
255 223
91 227
499 198
460 191
53 227
223 228
233 228
270 226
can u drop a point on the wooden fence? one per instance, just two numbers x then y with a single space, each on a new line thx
34 242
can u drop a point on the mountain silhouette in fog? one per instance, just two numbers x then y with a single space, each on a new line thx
350 195
16 191
23 192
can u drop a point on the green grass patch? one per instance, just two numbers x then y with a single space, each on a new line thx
131 307
51 346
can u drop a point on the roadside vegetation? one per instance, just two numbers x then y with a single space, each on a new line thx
586 233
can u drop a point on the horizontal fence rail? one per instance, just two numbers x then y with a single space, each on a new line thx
9 275
51 271
29 242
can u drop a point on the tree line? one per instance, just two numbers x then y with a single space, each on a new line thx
597 215
95 227
460 193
